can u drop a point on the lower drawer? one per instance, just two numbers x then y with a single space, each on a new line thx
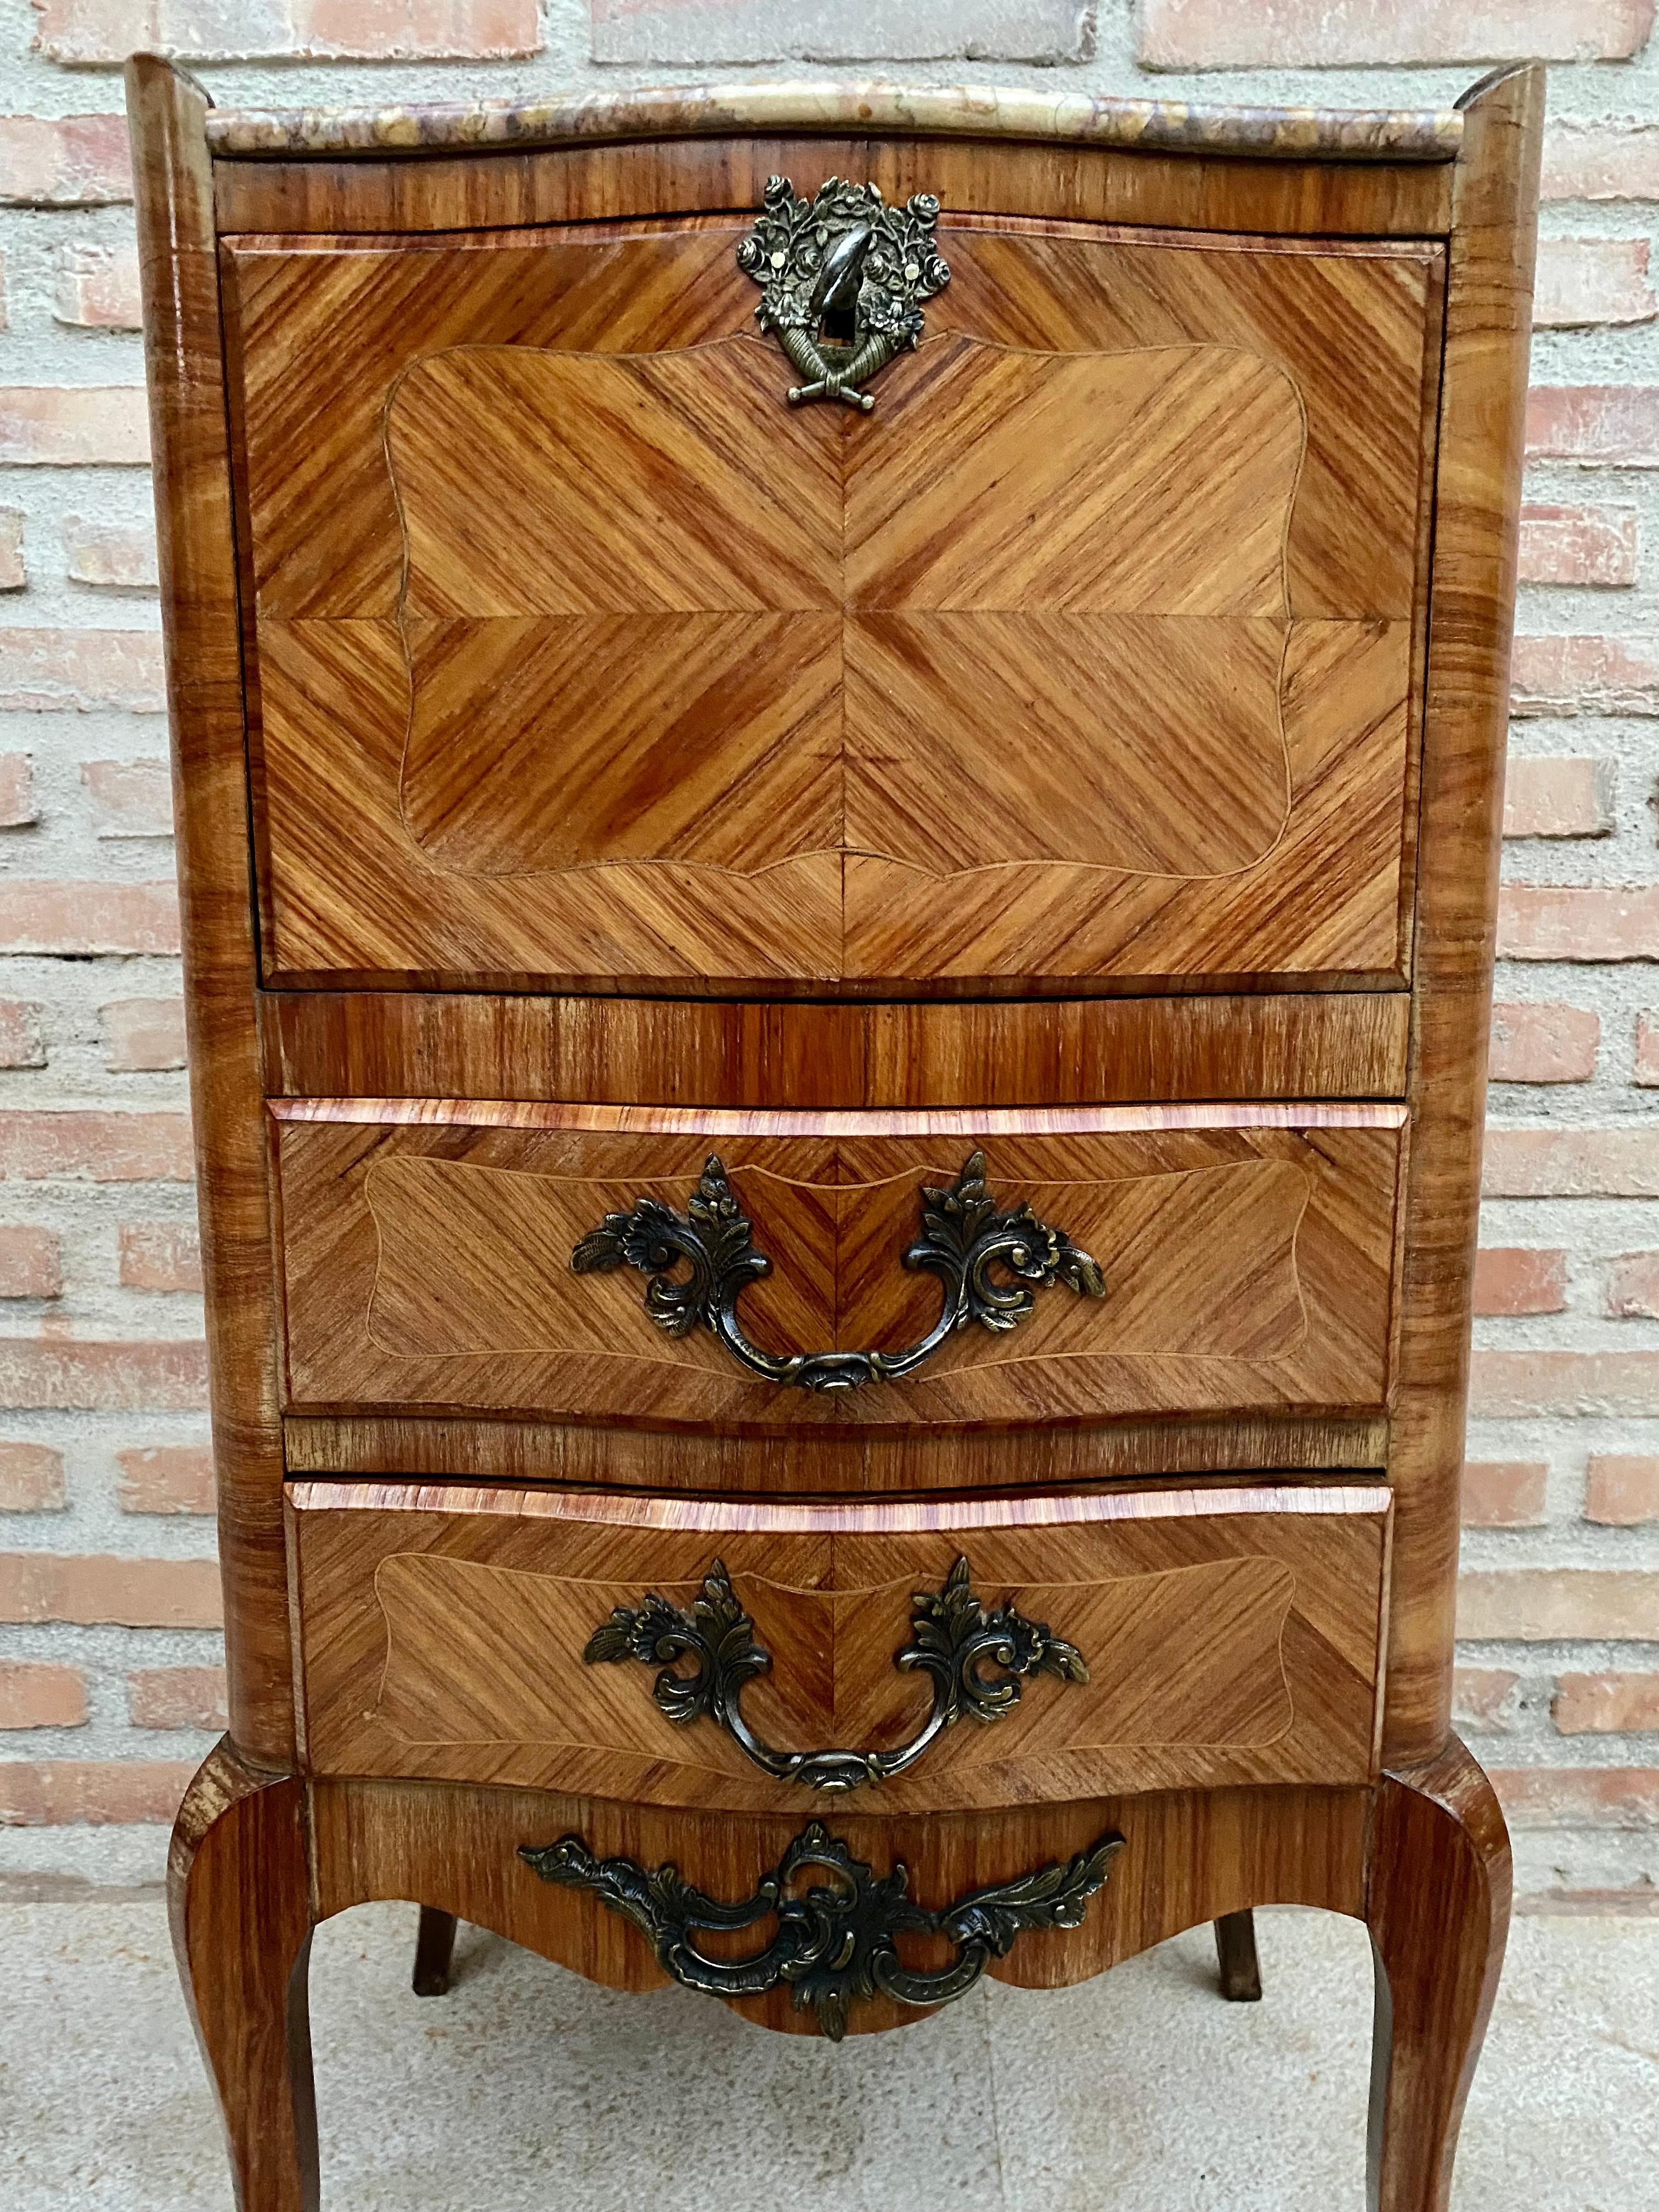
952 1654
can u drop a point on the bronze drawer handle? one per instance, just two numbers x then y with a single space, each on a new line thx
952 1638
964 1234
834 1943
843 276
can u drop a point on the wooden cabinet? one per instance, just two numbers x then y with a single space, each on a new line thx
838 764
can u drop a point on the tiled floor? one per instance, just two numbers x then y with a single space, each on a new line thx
525 2089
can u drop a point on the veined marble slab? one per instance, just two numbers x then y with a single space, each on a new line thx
951 111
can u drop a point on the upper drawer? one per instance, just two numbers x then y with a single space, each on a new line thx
1088 654
951 1268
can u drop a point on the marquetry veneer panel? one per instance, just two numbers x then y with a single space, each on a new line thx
1230 1637
611 668
1247 1253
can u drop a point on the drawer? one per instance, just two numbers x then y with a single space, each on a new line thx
578 657
779 1272
763 1657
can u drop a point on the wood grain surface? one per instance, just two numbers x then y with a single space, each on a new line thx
1229 1638
439 194
394 1044
179 277
624 693
238 1900
1477 519
1437 1903
1247 1253
869 1462
1189 1856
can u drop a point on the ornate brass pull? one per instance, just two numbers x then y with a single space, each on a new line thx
952 1638
844 278
834 1943
963 1235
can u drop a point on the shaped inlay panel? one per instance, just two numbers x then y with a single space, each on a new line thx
1230 1638
1041 671
1247 1254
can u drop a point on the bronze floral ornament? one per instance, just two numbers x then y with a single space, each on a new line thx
965 1235
953 1639
843 277
834 1942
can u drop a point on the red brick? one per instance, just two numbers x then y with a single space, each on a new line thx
82 32
1504 1494
1514 1385
1584 676
1514 1279
14 572
1584 281
77 670
166 1479
21 1042
98 288
69 425
90 1590
178 1698
1579 545
1549 797
109 556
129 797
1554 1605
66 160
17 806
36 1694
102 1792
1612 425
1601 160
89 917
1647 1049
160 1255
436 30
1220 34
95 1147
1632 1286
31 1478
1606 1705
1621 1489
143 1033
1572 1163
31 1263
1482 1698
98 1375
1544 1042
1578 1797
1569 921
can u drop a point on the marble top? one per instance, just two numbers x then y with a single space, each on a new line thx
951 111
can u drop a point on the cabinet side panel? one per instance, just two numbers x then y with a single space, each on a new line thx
1472 605
174 192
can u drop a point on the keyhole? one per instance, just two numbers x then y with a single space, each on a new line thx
839 326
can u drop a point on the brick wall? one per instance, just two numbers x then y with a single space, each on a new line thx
108 1686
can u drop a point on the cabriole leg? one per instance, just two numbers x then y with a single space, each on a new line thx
1235 1956
239 1894
434 1946
1439 1909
